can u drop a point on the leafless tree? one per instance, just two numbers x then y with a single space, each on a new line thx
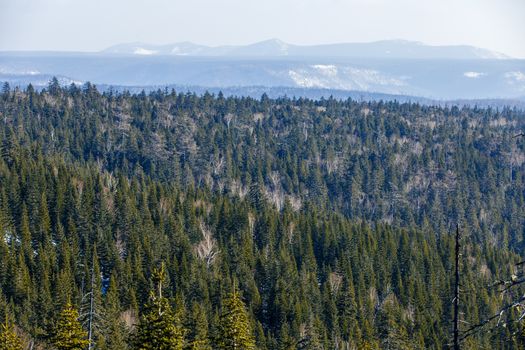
516 303
206 249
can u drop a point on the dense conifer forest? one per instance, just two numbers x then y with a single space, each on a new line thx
175 221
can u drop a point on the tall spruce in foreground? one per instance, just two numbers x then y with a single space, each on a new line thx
235 331
9 340
158 328
68 333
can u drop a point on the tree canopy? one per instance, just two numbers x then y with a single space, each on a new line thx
332 216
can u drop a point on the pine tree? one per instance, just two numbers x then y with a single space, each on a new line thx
9 340
115 330
235 332
158 328
54 86
6 88
68 333
198 329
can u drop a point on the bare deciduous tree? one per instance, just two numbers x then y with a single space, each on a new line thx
206 249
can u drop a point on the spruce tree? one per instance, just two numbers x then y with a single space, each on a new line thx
235 331
198 329
9 340
68 333
115 330
158 328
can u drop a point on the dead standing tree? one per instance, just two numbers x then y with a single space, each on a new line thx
456 292
505 287
516 303
496 320
206 249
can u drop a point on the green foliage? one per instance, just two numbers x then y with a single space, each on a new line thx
198 329
332 215
9 340
235 330
115 331
406 164
68 333
158 328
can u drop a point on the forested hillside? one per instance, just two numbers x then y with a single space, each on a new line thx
403 164
319 224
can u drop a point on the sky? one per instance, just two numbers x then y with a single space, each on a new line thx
92 25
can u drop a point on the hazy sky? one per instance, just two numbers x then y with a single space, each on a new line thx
91 25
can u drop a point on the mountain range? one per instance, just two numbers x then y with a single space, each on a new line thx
394 67
278 48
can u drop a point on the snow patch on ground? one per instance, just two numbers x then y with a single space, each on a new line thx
7 70
487 54
143 51
326 69
7 237
301 79
343 77
283 47
473 75
178 51
516 78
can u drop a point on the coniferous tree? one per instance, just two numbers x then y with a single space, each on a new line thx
115 331
91 309
235 331
198 329
9 340
158 328
285 185
68 333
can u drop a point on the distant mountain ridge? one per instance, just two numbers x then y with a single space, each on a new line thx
393 67
277 48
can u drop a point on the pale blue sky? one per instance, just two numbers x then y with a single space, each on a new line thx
91 25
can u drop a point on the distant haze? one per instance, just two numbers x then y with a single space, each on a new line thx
75 25
276 48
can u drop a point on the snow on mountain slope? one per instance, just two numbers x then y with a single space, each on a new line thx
431 78
345 78
516 79
278 48
142 51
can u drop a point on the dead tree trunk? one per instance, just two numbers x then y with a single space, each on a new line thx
456 293
91 306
